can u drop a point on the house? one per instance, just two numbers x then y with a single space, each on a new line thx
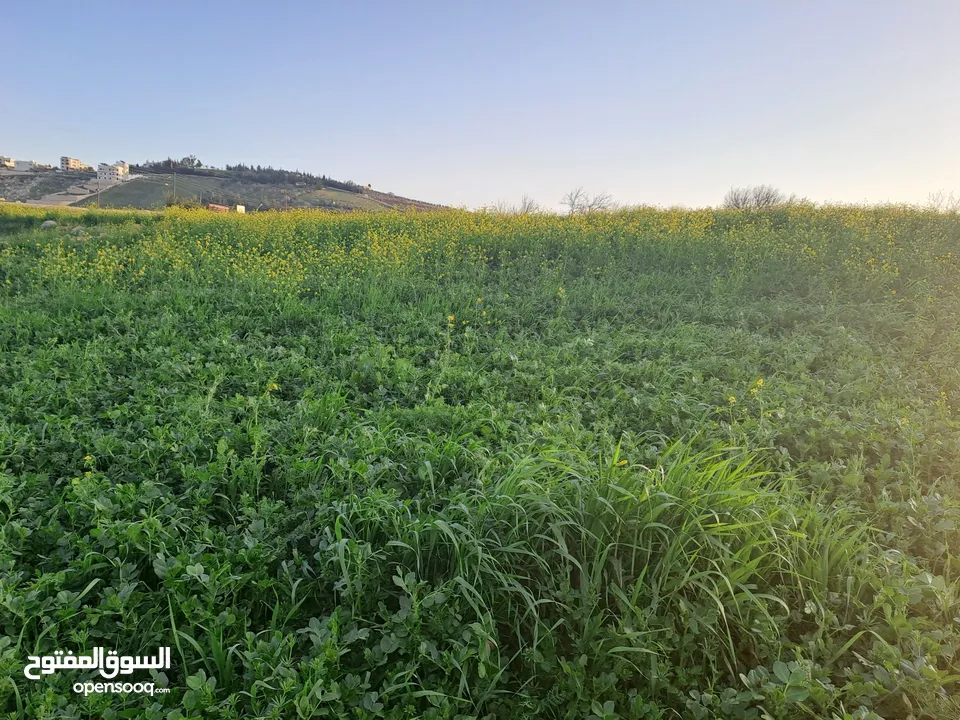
6 162
118 172
69 164
25 165
241 208
217 208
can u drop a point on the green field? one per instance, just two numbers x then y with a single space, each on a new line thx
647 464
154 190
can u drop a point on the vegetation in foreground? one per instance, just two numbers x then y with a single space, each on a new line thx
650 464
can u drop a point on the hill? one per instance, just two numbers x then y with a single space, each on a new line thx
35 186
154 185
153 190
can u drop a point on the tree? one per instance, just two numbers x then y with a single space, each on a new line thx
527 206
755 198
941 201
171 200
574 200
579 202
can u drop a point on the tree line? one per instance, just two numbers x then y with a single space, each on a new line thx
191 165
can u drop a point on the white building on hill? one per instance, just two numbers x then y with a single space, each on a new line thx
68 164
7 162
118 172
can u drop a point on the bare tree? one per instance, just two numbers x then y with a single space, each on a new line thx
574 200
755 198
500 207
941 201
601 202
579 202
527 206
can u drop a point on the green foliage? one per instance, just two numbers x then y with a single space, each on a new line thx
171 200
267 175
642 465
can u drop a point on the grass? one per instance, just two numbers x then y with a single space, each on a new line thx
151 192
653 464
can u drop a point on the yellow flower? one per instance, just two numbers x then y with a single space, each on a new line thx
753 391
621 463
88 458
272 386
451 318
760 382
479 299
731 400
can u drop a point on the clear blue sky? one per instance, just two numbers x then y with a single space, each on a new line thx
466 103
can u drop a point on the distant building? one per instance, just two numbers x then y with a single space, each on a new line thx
69 164
241 208
26 165
6 162
118 172
217 208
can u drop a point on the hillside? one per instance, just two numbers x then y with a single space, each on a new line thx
152 191
34 186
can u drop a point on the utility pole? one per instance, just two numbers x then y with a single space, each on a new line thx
174 186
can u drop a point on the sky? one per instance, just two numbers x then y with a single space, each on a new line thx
467 103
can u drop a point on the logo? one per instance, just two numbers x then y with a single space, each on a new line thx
109 664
